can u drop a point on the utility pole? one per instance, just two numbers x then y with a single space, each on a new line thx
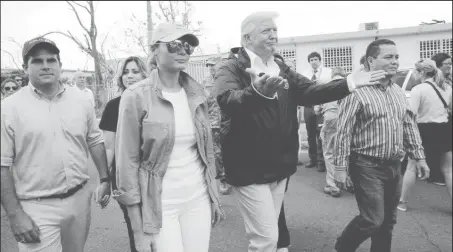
149 20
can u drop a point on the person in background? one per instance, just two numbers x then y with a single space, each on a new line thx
48 133
80 80
214 117
258 95
432 118
319 75
443 62
131 71
164 152
19 80
329 112
8 87
376 127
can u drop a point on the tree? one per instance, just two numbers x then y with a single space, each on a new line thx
167 11
17 61
89 45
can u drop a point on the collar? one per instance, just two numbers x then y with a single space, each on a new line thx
253 57
34 90
383 88
318 70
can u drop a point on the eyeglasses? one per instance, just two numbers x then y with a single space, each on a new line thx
175 45
10 88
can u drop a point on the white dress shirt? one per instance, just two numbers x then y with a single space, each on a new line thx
269 67
323 74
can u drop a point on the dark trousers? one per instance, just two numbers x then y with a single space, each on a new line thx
432 145
377 188
311 125
283 232
124 210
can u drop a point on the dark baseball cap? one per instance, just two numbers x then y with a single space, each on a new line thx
29 45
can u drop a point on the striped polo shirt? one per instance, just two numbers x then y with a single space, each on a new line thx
376 121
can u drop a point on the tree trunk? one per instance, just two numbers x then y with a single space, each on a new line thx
96 59
149 21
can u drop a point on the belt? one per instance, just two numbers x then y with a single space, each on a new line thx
379 161
69 193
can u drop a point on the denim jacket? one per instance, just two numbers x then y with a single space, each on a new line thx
144 141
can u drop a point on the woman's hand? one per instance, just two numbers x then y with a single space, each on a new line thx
217 214
145 242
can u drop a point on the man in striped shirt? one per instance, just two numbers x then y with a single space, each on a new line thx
375 128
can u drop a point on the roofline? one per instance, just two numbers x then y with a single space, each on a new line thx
368 34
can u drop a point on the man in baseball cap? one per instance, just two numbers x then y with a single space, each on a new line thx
167 32
48 203
34 43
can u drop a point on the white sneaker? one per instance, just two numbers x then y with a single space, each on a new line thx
282 250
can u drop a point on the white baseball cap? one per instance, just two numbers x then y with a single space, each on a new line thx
167 32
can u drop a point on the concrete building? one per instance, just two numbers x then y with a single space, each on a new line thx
345 49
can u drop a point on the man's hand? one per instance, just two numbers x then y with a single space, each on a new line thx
422 169
24 228
265 84
217 214
363 79
145 242
341 179
103 194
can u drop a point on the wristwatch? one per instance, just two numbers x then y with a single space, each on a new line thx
105 180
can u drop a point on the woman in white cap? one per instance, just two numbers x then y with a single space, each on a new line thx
164 152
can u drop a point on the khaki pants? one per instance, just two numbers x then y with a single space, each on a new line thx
260 207
64 223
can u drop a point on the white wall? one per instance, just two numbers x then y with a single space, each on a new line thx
408 47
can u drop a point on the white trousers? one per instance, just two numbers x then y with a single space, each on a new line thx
64 223
260 207
186 227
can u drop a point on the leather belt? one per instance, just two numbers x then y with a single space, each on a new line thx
69 193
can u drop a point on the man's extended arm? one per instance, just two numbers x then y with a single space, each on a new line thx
232 96
347 116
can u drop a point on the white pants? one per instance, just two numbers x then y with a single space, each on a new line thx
260 207
186 227
64 223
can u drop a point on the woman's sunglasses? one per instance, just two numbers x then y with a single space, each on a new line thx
176 45
10 88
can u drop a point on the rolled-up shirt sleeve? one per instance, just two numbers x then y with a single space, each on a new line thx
127 149
7 138
94 134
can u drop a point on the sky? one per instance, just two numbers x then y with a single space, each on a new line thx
21 21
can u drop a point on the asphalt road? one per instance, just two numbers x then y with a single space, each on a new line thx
314 220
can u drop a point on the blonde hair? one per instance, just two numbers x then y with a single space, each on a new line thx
430 70
119 73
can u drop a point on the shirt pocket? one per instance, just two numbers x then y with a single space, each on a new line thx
155 137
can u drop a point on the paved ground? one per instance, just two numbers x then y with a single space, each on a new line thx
314 220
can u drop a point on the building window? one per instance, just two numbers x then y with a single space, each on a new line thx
338 57
430 47
288 54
